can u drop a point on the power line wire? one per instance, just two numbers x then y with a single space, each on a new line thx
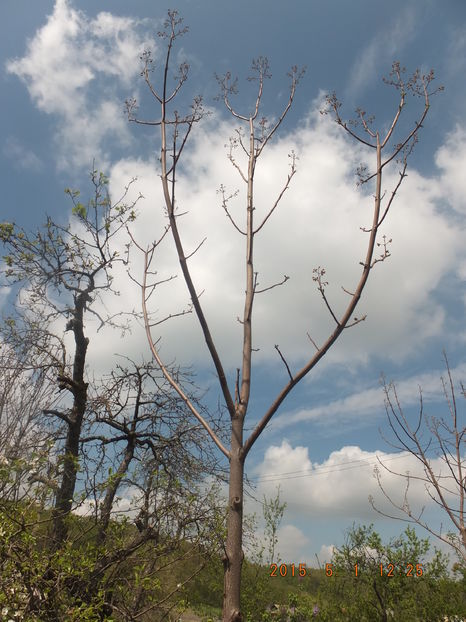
273 477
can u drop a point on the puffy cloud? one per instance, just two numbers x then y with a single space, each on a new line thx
293 544
124 504
451 160
4 291
339 487
325 554
318 223
71 68
333 494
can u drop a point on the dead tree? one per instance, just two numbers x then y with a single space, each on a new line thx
139 438
431 438
66 269
128 430
175 130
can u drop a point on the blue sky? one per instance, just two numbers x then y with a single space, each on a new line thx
66 69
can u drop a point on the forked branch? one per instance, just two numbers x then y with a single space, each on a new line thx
448 491
171 380
417 85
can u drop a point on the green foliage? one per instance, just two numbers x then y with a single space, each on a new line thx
67 257
273 512
41 584
343 597
6 230
38 584
256 594
79 210
206 591
368 580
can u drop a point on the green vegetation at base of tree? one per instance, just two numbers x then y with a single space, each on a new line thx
422 588
337 592
41 584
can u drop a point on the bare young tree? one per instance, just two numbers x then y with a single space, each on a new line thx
252 138
429 439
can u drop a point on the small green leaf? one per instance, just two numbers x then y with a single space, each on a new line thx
79 210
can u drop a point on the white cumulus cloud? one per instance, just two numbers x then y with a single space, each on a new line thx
339 486
451 160
71 69
317 223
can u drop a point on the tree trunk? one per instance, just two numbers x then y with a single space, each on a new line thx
64 498
233 559
78 388
112 487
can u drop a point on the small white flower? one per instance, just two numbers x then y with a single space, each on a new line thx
5 611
